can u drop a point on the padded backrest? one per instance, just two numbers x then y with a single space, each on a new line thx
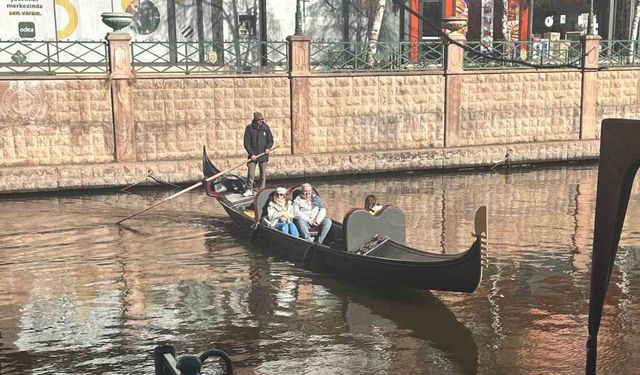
261 200
359 226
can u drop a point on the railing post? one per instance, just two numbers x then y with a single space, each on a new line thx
453 85
186 57
589 127
299 71
120 71
48 58
158 358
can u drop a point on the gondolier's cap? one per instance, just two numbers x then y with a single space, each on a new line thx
258 116
281 190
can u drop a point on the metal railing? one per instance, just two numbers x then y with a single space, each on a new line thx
389 56
547 53
619 53
53 57
91 57
210 57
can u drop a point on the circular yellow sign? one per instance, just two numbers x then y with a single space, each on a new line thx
73 19
125 4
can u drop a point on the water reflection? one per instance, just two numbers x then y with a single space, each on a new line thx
81 295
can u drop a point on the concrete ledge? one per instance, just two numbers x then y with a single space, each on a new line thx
87 176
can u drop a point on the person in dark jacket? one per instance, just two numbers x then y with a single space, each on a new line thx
257 139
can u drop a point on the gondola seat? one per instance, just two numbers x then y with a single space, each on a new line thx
360 227
261 201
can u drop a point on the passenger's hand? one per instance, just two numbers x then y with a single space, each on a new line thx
253 157
266 150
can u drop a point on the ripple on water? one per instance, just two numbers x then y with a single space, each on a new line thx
79 294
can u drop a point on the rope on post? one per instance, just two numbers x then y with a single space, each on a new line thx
152 176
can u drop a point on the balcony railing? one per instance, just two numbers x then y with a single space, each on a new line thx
508 55
389 56
53 57
210 57
619 53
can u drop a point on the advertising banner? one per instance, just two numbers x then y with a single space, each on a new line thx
26 20
80 20
150 22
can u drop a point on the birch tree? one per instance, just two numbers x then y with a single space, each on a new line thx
378 15
634 33
505 20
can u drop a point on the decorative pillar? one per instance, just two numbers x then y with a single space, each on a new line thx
523 28
589 127
453 80
120 71
414 30
299 71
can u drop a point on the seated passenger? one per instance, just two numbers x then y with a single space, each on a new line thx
280 213
371 204
309 210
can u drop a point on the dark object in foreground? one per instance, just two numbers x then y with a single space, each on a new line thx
166 364
370 247
619 162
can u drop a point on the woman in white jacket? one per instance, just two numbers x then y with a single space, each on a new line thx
280 213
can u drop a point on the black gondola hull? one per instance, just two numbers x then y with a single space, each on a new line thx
445 272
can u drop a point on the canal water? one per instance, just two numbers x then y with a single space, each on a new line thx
80 295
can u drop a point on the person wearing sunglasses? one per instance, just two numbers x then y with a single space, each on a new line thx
310 211
257 139
280 213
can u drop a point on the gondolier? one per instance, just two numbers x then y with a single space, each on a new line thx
257 139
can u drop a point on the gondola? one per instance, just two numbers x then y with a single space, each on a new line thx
363 245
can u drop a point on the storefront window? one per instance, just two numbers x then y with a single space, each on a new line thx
569 18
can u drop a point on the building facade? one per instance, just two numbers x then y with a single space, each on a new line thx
336 20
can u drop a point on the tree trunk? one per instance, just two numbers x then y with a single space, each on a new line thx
375 31
634 34
505 20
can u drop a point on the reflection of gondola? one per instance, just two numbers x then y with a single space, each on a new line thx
419 311
371 247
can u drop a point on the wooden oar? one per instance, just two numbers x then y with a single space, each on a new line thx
194 186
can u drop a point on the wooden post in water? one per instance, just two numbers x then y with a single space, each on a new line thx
619 162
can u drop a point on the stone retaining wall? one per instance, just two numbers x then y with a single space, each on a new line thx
65 132
174 117
55 122
376 113
618 94
520 106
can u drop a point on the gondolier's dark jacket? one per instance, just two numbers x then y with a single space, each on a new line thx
257 139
